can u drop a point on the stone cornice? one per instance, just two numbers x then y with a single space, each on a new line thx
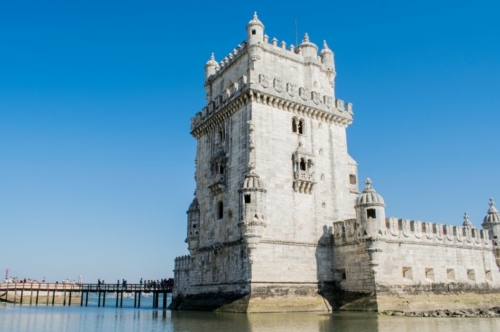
250 95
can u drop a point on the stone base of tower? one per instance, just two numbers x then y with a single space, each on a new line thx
274 297
437 297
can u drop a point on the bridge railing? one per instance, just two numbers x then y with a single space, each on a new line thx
84 287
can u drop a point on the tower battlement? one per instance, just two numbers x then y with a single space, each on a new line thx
415 232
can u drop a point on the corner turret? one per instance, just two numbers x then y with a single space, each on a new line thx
307 48
370 211
252 207
211 67
492 223
255 30
193 231
326 55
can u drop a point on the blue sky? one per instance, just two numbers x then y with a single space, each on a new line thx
96 160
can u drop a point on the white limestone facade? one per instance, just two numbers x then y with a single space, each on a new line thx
273 179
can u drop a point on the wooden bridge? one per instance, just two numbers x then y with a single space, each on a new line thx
64 293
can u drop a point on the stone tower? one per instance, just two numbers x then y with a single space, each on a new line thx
272 175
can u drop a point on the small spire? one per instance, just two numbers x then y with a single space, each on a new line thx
212 57
467 222
325 46
255 16
306 38
368 182
492 209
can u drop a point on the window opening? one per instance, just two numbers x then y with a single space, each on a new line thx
352 179
342 275
407 273
300 127
294 125
302 165
220 210
450 274
429 274
248 199
488 275
371 213
253 32
471 275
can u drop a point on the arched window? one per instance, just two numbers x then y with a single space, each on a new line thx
303 165
322 177
309 164
294 125
320 152
220 210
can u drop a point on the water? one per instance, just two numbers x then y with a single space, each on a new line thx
16 318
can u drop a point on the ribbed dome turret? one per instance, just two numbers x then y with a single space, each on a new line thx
252 181
255 21
492 216
369 196
467 222
308 48
211 67
325 49
194 205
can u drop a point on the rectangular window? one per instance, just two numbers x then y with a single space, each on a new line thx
248 199
371 213
471 275
407 273
341 274
429 274
352 179
450 274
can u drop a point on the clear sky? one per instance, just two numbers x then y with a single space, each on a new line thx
96 159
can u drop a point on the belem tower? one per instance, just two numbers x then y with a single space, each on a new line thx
278 222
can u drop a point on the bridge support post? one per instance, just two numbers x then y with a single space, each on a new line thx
164 300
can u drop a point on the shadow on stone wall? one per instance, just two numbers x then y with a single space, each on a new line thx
329 280
227 301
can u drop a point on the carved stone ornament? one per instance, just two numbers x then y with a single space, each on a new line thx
264 80
328 101
303 94
349 108
278 85
291 89
315 97
340 104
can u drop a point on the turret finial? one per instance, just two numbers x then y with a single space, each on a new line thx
306 38
492 202
325 46
467 222
368 182
255 16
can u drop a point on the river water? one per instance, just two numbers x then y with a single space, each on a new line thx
26 318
